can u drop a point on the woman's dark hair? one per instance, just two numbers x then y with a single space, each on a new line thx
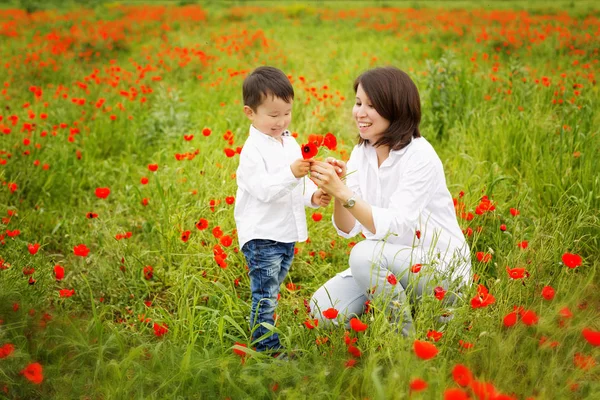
396 98
266 81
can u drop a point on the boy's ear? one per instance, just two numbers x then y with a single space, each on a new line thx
249 112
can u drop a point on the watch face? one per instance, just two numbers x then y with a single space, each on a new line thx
350 203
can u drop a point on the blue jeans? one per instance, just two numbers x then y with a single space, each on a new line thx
268 263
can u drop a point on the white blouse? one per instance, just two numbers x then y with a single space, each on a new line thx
270 200
409 199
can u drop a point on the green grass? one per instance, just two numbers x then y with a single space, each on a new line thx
486 109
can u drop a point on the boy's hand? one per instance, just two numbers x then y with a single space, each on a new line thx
321 198
340 166
300 167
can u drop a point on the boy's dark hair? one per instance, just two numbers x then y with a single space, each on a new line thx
266 81
396 98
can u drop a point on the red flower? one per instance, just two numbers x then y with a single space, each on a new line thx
483 257
434 335
6 350
144 180
330 141
424 350
502 227
584 362
144 201
91 215
311 323
185 236
226 240
523 244
392 279
517 273
350 363
160 329
571 260
529 317
153 167
33 372
238 351
415 268
510 319
317 216
455 394
465 345
188 137
462 375
514 212
102 193
355 351
548 292
217 232
439 292
309 150
202 224
59 272
66 292
330 313
483 298
81 250
417 385
357 325
229 152
229 200
33 248
593 337
206 131
148 272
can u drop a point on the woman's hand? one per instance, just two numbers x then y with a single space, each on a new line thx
327 177
339 165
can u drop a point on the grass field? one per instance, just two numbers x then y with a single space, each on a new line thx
120 128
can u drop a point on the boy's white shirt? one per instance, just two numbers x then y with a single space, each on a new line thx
270 200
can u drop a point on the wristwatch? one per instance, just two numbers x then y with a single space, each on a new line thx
350 202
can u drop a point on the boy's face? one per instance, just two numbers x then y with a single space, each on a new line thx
271 117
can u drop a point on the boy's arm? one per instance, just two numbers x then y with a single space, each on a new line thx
252 177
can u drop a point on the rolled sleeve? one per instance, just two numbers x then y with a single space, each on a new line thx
353 232
309 189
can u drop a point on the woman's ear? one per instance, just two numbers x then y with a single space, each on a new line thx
249 112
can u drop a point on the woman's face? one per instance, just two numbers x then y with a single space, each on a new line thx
370 124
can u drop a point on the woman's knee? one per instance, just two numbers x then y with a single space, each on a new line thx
361 261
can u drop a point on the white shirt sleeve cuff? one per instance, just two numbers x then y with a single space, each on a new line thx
382 219
353 232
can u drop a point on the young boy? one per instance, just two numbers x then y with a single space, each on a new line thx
271 195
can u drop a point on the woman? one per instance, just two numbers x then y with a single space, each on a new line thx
395 194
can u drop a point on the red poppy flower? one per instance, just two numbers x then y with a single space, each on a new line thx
417 385
311 323
462 375
330 141
6 350
529 317
81 250
415 268
434 335
153 167
330 313
33 248
206 132
309 150
350 363
392 280
66 292
33 372
483 298
144 201
418 234
185 236
230 200
202 224
483 257
238 351
91 215
592 337
502 227
102 193
357 325
160 329
456 394
226 240
424 350
571 260
59 272
439 292
13 233
465 345
548 292
510 319
517 273
148 272
217 232
583 361
355 351
188 137
317 216
523 244
514 212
